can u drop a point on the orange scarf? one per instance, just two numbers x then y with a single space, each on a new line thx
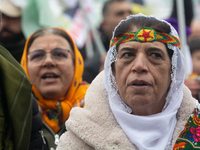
75 94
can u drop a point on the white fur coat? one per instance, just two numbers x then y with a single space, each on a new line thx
95 127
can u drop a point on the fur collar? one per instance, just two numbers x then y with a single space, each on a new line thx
96 126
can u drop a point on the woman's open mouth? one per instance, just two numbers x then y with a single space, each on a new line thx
50 76
139 83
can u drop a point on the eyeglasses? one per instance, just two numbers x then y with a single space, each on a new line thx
58 55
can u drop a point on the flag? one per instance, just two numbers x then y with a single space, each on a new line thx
74 18
37 15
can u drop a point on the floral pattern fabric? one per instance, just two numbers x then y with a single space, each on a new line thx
189 138
57 115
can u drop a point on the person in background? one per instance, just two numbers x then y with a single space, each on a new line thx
193 82
112 15
54 65
173 20
11 35
15 104
194 45
189 13
20 121
190 57
139 101
195 29
113 12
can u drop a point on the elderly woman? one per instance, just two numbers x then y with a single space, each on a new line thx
54 65
139 101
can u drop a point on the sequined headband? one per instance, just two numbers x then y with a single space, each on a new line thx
146 34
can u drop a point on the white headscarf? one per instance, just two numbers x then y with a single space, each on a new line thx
153 132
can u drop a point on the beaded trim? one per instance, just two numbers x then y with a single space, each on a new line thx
146 34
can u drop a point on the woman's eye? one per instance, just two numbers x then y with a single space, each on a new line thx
59 55
127 55
36 56
198 58
156 55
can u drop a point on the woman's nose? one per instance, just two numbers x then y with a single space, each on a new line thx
48 60
140 64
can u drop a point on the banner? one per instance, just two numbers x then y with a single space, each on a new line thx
71 17
37 15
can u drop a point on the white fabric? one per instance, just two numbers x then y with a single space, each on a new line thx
152 132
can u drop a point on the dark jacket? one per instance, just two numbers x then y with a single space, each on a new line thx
15 104
37 137
92 65
15 49
52 138
20 121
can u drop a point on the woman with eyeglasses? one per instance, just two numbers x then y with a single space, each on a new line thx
54 65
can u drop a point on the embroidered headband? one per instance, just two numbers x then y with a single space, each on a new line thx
146 34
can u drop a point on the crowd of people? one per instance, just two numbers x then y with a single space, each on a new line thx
135 96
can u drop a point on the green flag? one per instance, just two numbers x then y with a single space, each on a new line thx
37 15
